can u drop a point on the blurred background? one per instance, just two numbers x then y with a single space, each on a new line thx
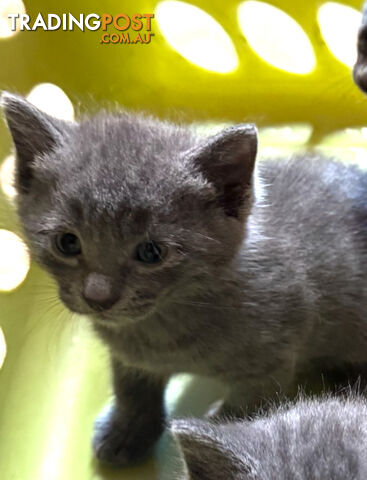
284 65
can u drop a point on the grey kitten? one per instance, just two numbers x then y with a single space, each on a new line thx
311 440
184 263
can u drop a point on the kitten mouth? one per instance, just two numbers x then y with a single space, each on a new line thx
102 317
123 316
79 311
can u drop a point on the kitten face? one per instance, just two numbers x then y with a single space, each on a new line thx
123 210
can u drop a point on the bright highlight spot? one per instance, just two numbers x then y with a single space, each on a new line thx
276 37
175 389
196 36
2 348
348 145
52 100
339 26
7 171
297 134
14 261
7 7
347 138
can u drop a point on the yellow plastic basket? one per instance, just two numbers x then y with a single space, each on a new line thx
55 377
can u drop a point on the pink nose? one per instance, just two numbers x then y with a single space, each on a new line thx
99 291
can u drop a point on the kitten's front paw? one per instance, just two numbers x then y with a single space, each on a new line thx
120 439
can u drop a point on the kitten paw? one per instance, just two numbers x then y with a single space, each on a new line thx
120 440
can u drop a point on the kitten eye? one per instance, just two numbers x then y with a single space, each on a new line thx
150 252
68 244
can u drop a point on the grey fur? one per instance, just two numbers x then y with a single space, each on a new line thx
311 440
256 288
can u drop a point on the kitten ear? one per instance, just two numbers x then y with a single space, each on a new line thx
360 68
34 133
208 455
227 160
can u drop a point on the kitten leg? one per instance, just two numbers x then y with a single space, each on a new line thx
126 431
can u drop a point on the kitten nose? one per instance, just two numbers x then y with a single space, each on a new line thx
99 292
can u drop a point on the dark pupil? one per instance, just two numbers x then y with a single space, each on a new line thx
149 252
69 244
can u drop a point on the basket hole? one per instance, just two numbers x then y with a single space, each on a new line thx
339 26
276 37
196 36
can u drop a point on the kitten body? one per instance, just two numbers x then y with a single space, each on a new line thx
253 289
313 439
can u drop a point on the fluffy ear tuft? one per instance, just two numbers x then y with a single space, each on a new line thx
207 453
227 160
33 132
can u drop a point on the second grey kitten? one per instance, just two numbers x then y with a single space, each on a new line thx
160 237
310 440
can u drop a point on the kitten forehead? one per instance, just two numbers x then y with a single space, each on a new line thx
133 141
124 160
